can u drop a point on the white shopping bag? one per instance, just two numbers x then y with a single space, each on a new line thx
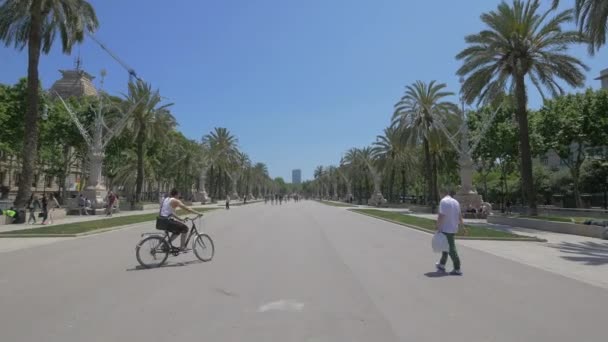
440 243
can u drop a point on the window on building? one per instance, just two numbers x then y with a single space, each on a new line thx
544 160
2 177
48 180
17 177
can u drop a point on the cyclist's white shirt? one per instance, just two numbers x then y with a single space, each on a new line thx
166 209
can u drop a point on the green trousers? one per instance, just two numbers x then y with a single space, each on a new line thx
453 253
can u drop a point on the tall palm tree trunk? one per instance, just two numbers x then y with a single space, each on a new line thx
428 171
402 181
211 182
434 175
139 180
30 139
524 145
391 183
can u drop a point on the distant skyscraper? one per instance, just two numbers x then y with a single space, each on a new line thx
604 78
296 176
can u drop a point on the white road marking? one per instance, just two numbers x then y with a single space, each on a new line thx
282 305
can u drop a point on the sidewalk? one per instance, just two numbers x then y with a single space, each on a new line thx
578 257
84 218
14 244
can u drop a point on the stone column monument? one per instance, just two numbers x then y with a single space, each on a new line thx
466 195
97 140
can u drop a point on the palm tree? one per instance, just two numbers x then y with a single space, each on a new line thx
345 171
362 163
591 17
357 172
319 175
386 148
332 178
35 23
520 42
187 165
239 171
419 115
223 150
368 160
260 177
149 120
124 171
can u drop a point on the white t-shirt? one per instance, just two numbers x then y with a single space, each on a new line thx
450 209
166 209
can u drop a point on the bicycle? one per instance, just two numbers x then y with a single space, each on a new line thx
158 246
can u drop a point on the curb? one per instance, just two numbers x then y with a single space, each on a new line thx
341 204
525 239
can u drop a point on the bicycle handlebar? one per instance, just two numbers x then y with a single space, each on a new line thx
186 219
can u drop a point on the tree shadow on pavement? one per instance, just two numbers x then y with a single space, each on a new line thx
436 274
588 252
168 264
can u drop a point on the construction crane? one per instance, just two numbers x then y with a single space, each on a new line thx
130 71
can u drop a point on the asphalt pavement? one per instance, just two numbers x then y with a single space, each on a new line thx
297 272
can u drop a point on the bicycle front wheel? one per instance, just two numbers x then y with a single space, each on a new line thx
203 247
152 251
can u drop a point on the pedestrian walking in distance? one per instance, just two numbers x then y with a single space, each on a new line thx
110 203
227 202
449 220
32 205
45 209
52 205
82 205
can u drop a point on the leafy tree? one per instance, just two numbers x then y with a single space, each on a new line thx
496 134
520 42
569 125
594 173
282 187
35 24
12 107
62 145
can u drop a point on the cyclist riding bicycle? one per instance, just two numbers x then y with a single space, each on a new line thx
168 219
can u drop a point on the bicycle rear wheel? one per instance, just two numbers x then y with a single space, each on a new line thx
152 251
203 247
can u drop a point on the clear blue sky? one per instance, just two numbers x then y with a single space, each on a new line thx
299 82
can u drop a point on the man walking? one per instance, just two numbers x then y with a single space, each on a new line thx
448 221
32 205
82 205
110 203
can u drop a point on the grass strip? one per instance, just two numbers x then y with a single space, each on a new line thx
428 225
70 229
